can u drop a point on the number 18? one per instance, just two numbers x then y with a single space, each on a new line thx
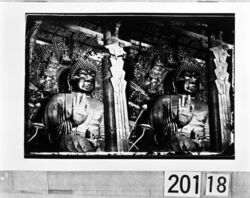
217 184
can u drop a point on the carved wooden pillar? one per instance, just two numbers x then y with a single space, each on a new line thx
109 109
115 103
213 102
108 100
223 87
120 102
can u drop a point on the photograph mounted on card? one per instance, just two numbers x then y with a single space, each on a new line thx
154 86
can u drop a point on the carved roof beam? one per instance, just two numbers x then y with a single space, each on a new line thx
92 33
197 36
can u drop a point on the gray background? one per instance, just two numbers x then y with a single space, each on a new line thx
122 184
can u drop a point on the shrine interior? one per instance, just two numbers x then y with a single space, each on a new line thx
147 68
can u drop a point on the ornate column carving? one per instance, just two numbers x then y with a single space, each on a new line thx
120 101
108 102
223 86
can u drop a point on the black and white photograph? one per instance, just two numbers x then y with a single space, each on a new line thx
129 86
124 99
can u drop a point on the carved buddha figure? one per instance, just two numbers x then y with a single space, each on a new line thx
74 120
178 115
155 76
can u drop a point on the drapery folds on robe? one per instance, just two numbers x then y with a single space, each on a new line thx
74 115
168 118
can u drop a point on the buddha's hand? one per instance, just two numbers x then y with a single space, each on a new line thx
79 110
76 143
185 110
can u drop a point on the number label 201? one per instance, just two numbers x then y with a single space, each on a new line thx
182 184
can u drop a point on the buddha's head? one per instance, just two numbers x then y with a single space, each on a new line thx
82 77
187 78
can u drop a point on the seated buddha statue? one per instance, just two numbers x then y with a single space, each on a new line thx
74 120
178 118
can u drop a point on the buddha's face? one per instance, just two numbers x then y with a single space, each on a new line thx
188 82
84 81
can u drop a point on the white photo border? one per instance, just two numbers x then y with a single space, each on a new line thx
12 61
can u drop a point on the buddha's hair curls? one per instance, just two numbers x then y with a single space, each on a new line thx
187 66
82 64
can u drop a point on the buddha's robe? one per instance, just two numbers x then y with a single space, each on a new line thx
74 117
165 121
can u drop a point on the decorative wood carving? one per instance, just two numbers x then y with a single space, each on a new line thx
32 41
109 107
223 86
119 86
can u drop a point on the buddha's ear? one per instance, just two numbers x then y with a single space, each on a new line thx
174 87
69 84
201 87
